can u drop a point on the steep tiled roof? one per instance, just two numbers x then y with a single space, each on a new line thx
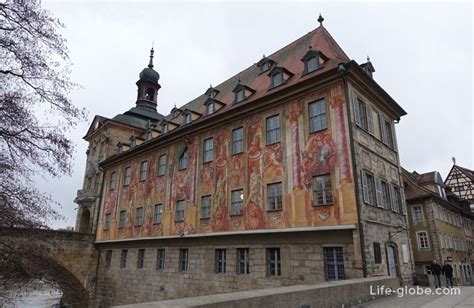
288 57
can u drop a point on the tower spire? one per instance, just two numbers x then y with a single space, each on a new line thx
150 65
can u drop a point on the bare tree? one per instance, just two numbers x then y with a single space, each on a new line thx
35 111
35 115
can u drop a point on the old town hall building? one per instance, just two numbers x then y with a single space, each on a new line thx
287 173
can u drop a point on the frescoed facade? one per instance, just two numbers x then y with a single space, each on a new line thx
273 177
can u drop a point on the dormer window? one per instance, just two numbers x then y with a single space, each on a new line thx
240 95
313 60
211 92
210 108
187 118
119 147
277 79
242 92
278 76
148 136
265 64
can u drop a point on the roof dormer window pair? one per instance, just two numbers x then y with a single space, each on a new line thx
278 75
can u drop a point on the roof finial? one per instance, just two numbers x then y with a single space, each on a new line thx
368 58
320 20
454 160
150 65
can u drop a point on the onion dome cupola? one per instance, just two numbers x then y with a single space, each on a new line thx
148 86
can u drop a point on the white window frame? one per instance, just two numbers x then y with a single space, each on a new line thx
415 212
418 240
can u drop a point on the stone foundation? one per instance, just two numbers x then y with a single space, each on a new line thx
302 262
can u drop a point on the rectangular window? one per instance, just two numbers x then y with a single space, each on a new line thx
237 201
317 116
180 208
160 259
273 262
210 108
360 113
187 118
423 243
123 258
386 195
143 170
140 258
183 159
243 267
107 220
183 260
387 134
127 176
322 190
379 193
396 199
277 79
368 188
208 150
370 120
220 262
274 196
334 263
113 180
417 213
238 140
122 218
240 95
108 258
206 207
139 216
273 129
377 253
162 165
158 213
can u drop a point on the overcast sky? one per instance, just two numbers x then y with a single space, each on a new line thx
422 54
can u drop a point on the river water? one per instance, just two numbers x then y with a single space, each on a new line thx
37 295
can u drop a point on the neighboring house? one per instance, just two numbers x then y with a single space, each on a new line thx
437 224
286 173
461 182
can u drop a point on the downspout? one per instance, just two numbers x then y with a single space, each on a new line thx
342 70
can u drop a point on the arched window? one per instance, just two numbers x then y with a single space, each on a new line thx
150 93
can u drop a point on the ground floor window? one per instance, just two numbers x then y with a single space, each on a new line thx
273 262
334 263
183 260
220 261
160 259
123 258
108 258
140 258
243 261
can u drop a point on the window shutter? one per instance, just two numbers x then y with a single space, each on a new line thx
357 111
402 197
370 119
382 129
394 136
378 192
365 187
392 198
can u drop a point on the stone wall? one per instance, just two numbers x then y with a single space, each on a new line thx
335 294
302 262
